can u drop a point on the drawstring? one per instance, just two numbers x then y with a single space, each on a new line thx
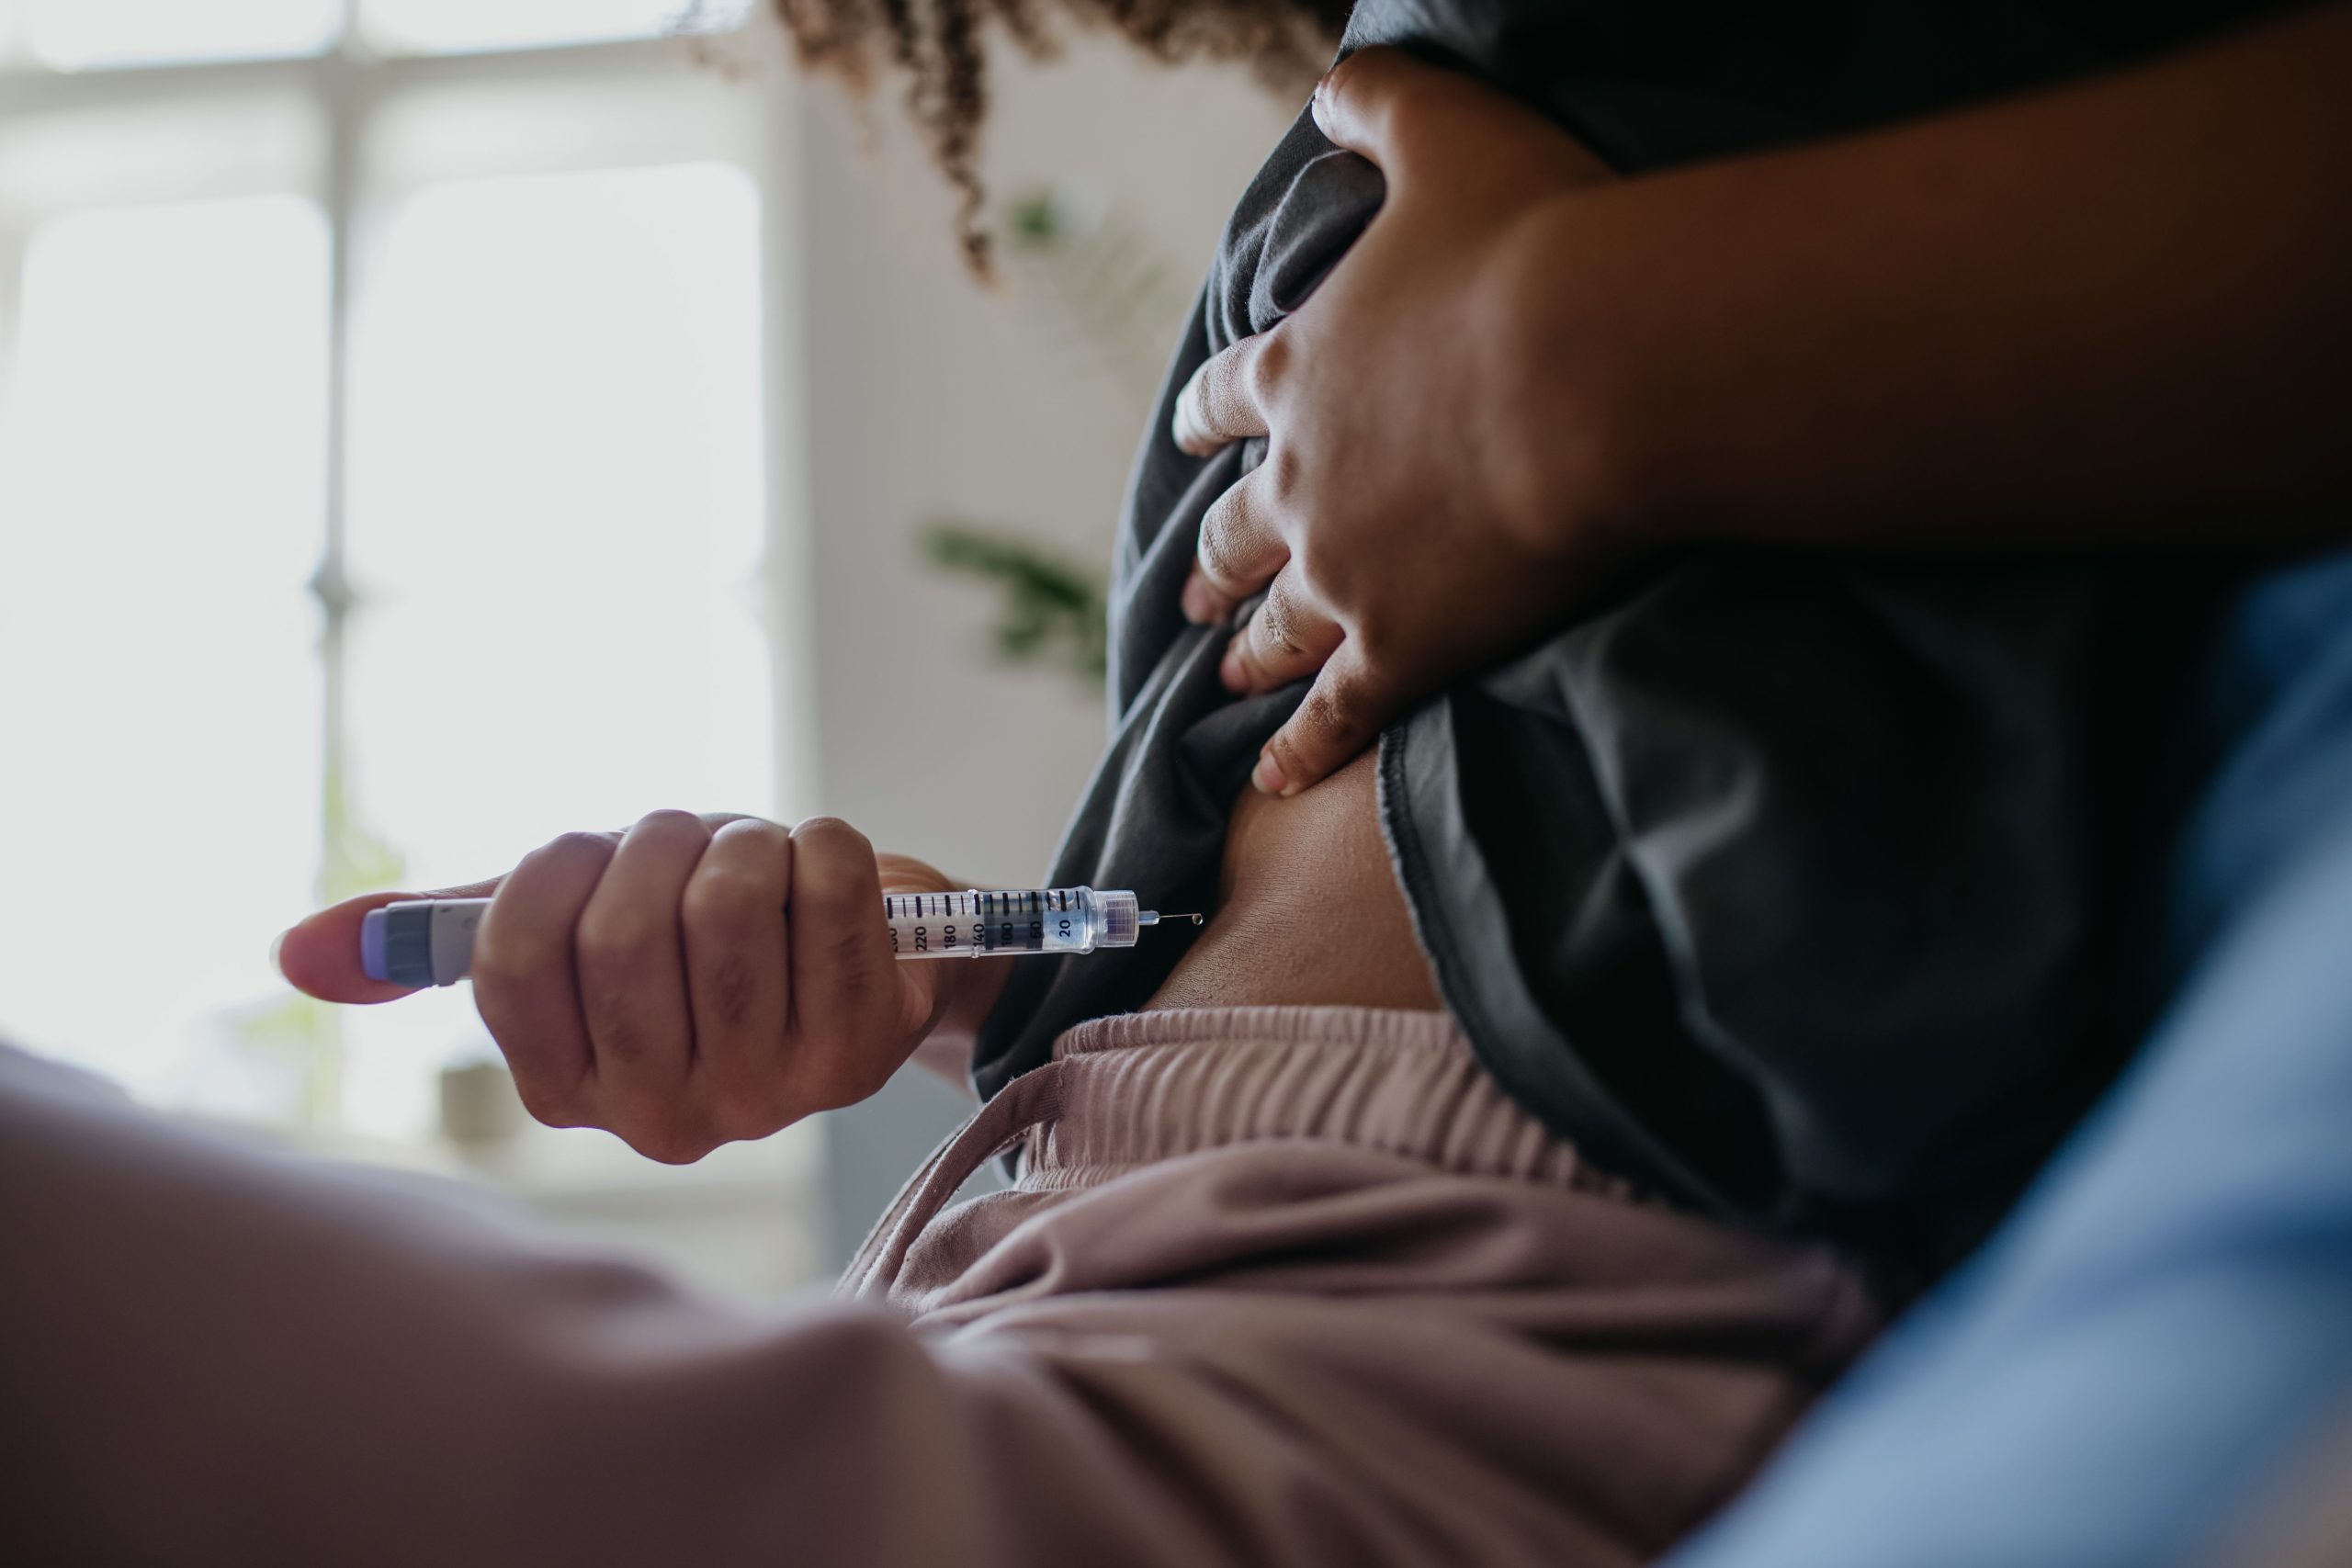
1028 1100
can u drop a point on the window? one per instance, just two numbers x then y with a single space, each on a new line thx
382 420
72 35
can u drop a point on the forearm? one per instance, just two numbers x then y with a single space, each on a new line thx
2111 313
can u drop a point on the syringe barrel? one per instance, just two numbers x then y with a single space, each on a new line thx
974 924
431 942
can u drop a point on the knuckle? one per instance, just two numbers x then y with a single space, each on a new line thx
549 1104
671 829
851 961
614 1011
1279 631
1219 552
680 1138
828 832
1261 376
579 848
619 1034
618 945
724 898
1334 707
767 835
1337 81
730 988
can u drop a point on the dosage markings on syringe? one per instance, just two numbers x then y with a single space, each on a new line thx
962 922
971 924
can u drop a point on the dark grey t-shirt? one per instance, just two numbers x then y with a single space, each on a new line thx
1786 883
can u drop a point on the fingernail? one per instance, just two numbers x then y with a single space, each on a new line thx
1230 669
1200 604
1268 775
277 946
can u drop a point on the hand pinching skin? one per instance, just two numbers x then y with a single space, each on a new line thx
1399 535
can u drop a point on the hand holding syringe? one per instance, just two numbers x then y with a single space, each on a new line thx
699 980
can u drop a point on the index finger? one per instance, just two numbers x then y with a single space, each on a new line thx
320 955
1220 404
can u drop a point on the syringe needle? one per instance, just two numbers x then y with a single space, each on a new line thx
1153 917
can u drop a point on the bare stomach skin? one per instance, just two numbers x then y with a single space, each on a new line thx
1308 911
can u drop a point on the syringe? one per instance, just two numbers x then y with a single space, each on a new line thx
430 941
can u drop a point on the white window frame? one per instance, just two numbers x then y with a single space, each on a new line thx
348 85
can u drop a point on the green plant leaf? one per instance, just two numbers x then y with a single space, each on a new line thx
1051 611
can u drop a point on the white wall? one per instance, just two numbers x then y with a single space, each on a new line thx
925 394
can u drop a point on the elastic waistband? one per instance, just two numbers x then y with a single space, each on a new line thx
1128 1092
1139 1088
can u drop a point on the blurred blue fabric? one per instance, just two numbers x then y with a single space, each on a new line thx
2167 1317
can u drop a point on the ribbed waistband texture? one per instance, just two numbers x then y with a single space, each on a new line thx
1139 1088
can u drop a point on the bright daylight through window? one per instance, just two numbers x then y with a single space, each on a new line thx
382 492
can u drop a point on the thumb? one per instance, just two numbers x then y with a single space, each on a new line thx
1344 712
320 956
1371 101
1359 101
1396 109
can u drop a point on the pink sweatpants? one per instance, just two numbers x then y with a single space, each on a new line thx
1275 1286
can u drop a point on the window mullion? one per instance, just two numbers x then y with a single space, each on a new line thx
344 90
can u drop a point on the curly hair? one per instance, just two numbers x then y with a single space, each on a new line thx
938 46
